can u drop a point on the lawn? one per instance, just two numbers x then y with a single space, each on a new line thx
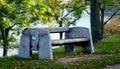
109 46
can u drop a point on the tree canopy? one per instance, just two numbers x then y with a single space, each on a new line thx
18 14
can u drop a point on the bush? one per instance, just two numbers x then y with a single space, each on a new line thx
112 27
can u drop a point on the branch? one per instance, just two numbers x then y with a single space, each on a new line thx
12 25
87 12
112 16
62 13
74 21
72 9
68 13
56 18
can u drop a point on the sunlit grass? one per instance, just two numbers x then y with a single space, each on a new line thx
108 45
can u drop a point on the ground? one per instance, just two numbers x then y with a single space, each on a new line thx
69 59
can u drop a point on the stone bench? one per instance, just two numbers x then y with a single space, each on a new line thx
38 39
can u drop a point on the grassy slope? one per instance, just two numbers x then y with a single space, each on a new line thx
106 46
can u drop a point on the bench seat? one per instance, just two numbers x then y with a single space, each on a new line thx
68 41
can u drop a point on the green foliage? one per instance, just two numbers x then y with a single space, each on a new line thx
105 3
69 12
13 13
16 15
13 17
6 10
43 11
19 14
118 14
78 6
25 12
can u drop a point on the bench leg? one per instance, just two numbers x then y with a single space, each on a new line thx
69 48
24 50
45 50
77 32
86 48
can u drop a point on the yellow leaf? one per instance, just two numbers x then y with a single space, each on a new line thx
55 11
52 14
36 11
42 12
49 10
51 24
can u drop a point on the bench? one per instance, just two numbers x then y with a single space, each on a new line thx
38 39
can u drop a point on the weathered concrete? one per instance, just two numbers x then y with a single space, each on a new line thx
77 32
45 51
34 39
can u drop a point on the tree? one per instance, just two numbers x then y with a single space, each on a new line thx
18 14
103 5
100 6
114 7
58 12
68 13
44 10
95 20
10 17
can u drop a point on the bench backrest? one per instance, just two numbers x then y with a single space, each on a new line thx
58 29
81 32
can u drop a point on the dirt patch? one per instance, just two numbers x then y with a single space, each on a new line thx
69 59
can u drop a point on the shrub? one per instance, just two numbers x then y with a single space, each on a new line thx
112 27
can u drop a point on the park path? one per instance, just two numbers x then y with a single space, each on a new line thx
69 59
88 56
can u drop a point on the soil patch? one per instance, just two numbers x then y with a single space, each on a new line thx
69 59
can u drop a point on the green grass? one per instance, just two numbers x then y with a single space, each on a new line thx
109 45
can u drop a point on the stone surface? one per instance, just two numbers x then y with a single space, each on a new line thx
45 51
24 50
77 32
34 39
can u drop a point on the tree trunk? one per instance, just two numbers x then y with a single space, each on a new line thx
95 20
5 34
102 23
61 34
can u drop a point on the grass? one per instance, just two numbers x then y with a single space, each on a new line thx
109 45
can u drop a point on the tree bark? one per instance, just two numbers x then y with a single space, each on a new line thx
95 20
102 23
61 34
5 34
112 16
